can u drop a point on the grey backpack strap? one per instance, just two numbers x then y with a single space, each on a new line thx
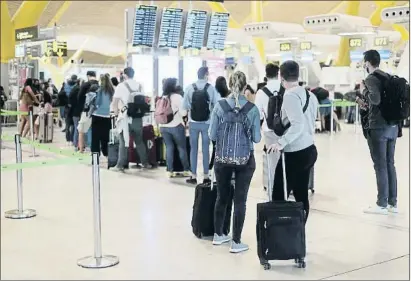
247 107
224 105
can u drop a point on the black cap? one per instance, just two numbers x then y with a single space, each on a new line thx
74 77
91 73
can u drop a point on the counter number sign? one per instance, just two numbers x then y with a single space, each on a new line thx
285 47
381 41
305 46
355 42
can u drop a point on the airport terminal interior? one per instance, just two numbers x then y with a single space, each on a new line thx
69 214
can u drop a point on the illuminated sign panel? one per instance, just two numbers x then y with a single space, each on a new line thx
355 42
27 33
285 47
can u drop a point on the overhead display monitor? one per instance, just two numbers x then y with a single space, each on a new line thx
217 31
170 28
144 25
195 29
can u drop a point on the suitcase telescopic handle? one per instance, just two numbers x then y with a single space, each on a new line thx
270 176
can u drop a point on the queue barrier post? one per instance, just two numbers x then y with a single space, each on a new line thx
19 213
357 118
98 260
33 148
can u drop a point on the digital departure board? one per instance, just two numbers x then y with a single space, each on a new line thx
144 25
195 29
170 28
218 31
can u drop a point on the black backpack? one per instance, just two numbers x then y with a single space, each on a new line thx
273 117
395 98
200 104
137 106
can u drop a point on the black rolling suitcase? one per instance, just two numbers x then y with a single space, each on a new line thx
280 228
113 147
205 198
177 165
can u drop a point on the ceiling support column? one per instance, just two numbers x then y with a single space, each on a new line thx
7 34
352 9
29 13
257 16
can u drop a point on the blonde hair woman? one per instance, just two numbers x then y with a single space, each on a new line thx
243 173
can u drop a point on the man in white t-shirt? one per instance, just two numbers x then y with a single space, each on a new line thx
261 101
135 128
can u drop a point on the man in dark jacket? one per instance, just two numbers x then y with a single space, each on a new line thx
381 137
83 123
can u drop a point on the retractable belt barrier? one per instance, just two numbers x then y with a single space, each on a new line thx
98 260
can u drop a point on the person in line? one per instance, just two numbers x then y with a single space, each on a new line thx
200 99
27 100
173 133
69 128
273 86
46 108
3 97
221 88
114 81
100 118
250 94
72 105
84 122
135 128
381 138
243 174
298 141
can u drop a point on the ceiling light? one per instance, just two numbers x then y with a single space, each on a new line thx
285 39
230 43
357 33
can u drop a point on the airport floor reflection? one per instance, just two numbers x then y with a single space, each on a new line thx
146 223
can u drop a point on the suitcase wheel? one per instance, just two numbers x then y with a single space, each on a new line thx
266 265
300 263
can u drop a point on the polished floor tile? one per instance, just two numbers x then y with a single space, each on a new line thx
146 222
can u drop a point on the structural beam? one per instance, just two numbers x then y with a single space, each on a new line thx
405 35
375 17
29 13
352 9
219 7
59 13
257 16
7 34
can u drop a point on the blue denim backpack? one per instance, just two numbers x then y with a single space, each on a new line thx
233 147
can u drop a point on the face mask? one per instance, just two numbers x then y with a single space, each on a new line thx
366 68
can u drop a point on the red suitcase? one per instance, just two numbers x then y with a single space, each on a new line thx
150 143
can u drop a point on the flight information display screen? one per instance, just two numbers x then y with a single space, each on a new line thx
170 28
195 29
144 25
218 31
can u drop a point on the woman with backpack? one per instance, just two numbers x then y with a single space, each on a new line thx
169 115
100 116
235 126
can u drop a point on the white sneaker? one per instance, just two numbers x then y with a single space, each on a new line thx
392 209
238 247
376 210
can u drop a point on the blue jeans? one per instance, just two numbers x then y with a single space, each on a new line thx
75 134
62 109
177 135
381 143
195 129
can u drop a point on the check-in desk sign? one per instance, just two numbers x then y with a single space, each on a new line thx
27 33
